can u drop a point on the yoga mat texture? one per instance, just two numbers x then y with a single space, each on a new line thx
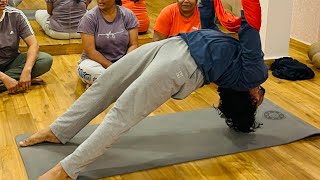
170 139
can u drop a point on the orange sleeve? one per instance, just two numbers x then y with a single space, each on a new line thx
163 23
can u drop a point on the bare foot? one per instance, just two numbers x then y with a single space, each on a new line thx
44 135
36 81
56 172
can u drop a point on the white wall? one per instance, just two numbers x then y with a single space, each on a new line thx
276 26
306 21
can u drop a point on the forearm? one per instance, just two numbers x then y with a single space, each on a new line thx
32 55
158 36
2 76
99 58
132 47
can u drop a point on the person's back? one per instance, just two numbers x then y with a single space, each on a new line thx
177 18
139 8
62 17
66 14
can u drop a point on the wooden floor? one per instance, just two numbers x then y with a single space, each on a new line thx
37 108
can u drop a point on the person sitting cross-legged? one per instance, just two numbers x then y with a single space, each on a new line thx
62 17
108 32
19 70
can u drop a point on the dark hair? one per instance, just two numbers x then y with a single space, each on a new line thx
77 1
238 108
118 2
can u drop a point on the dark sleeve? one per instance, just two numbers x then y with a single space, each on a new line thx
250 43
207 15
23 25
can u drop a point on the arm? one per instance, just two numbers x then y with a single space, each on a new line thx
158 36
249 36
207 15
88 2
11 84
32 55
49 8
89 48
163 24
133 44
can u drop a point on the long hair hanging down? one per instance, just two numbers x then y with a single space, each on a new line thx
238 109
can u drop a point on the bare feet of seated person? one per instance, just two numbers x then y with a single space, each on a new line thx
56 173
37 81
45 135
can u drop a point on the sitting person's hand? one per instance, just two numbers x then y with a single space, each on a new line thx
25 80
11 84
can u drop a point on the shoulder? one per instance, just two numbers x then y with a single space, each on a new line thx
125 11
92 13
15 13
171 8
12 10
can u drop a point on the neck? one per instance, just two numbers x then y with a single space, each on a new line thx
187 14
109 11
1 12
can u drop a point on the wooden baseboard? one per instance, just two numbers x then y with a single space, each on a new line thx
299 46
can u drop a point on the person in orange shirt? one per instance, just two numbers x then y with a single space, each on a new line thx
182 16
139 8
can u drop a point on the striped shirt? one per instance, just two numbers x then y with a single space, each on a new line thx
13 26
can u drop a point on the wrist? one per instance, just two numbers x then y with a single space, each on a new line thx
27 70
2 76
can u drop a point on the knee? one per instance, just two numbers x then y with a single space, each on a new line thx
89 71
44 61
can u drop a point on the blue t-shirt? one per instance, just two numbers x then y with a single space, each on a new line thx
224 59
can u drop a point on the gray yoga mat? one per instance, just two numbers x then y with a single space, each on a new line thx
169 139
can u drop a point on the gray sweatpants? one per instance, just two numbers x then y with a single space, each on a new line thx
138 84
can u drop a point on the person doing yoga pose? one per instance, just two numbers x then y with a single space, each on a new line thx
150 75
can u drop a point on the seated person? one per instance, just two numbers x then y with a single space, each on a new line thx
19 70
108 32
61 19
207 15
182 16
157 71
139 8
